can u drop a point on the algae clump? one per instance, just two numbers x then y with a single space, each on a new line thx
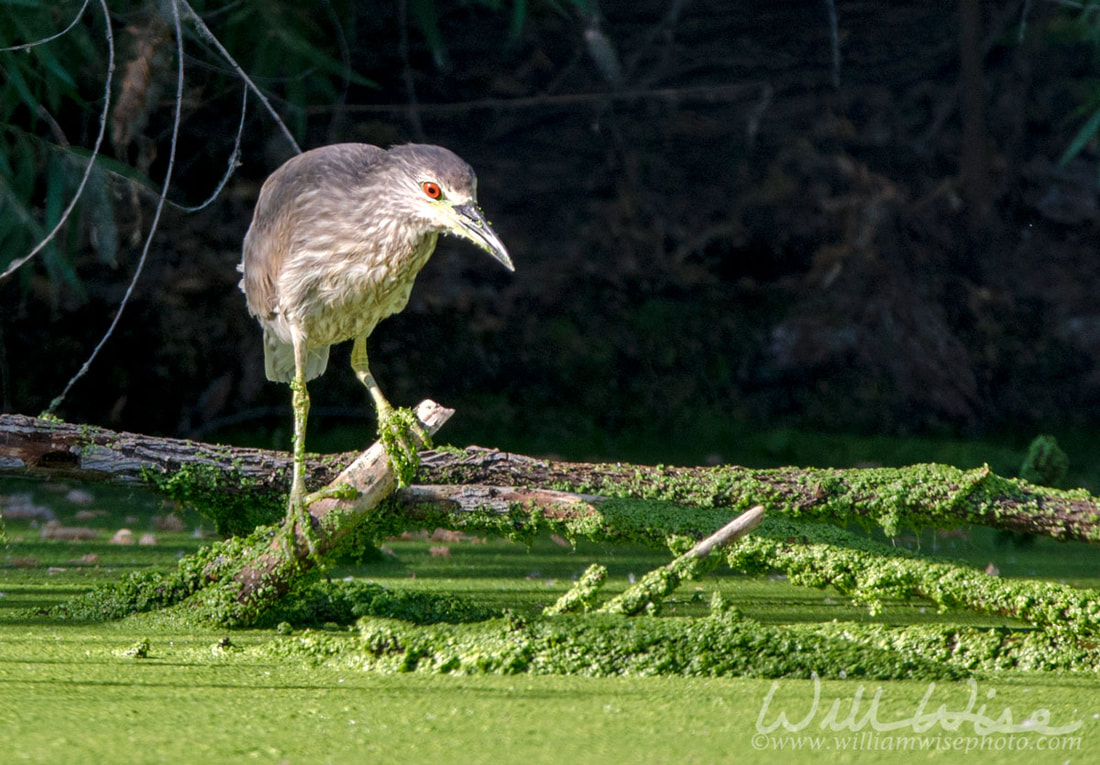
610 646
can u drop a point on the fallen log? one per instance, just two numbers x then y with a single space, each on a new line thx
894 498
914 497
234 581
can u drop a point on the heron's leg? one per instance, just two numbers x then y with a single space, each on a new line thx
300 402
393 427
360 364
298 504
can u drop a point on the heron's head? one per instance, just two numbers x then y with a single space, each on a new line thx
439 190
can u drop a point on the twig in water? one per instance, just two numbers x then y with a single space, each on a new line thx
657 584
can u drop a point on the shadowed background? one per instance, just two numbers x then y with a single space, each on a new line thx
719 225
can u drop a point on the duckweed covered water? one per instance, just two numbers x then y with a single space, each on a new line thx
460 677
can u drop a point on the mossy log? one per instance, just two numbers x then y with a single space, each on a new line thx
660 506
917 496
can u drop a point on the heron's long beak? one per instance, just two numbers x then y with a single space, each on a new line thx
473 226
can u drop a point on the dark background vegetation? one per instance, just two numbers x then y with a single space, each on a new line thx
719 226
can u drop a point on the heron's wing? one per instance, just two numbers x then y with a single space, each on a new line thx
284 205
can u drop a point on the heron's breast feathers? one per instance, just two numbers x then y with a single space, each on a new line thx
336 294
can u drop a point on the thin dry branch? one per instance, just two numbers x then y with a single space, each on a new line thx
648 593
51 38
204 30
706 93
233 163
727 535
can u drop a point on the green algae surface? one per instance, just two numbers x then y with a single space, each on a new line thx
70 698
461 675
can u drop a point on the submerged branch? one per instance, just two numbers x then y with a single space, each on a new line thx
872 572
647 594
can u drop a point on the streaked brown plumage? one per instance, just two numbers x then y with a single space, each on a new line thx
337 238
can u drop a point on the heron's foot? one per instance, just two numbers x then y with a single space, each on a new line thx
298 518
402 437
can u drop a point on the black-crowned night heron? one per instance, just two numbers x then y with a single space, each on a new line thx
337 239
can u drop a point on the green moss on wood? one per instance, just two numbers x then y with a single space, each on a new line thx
582 595
230 500
817 555
399 431
891 499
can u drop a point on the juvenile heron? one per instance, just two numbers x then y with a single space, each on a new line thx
337 239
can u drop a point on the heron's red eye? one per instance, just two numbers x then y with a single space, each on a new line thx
431 189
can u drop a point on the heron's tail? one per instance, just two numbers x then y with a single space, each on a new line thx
279 359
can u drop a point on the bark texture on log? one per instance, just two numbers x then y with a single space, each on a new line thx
39 448
914 496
